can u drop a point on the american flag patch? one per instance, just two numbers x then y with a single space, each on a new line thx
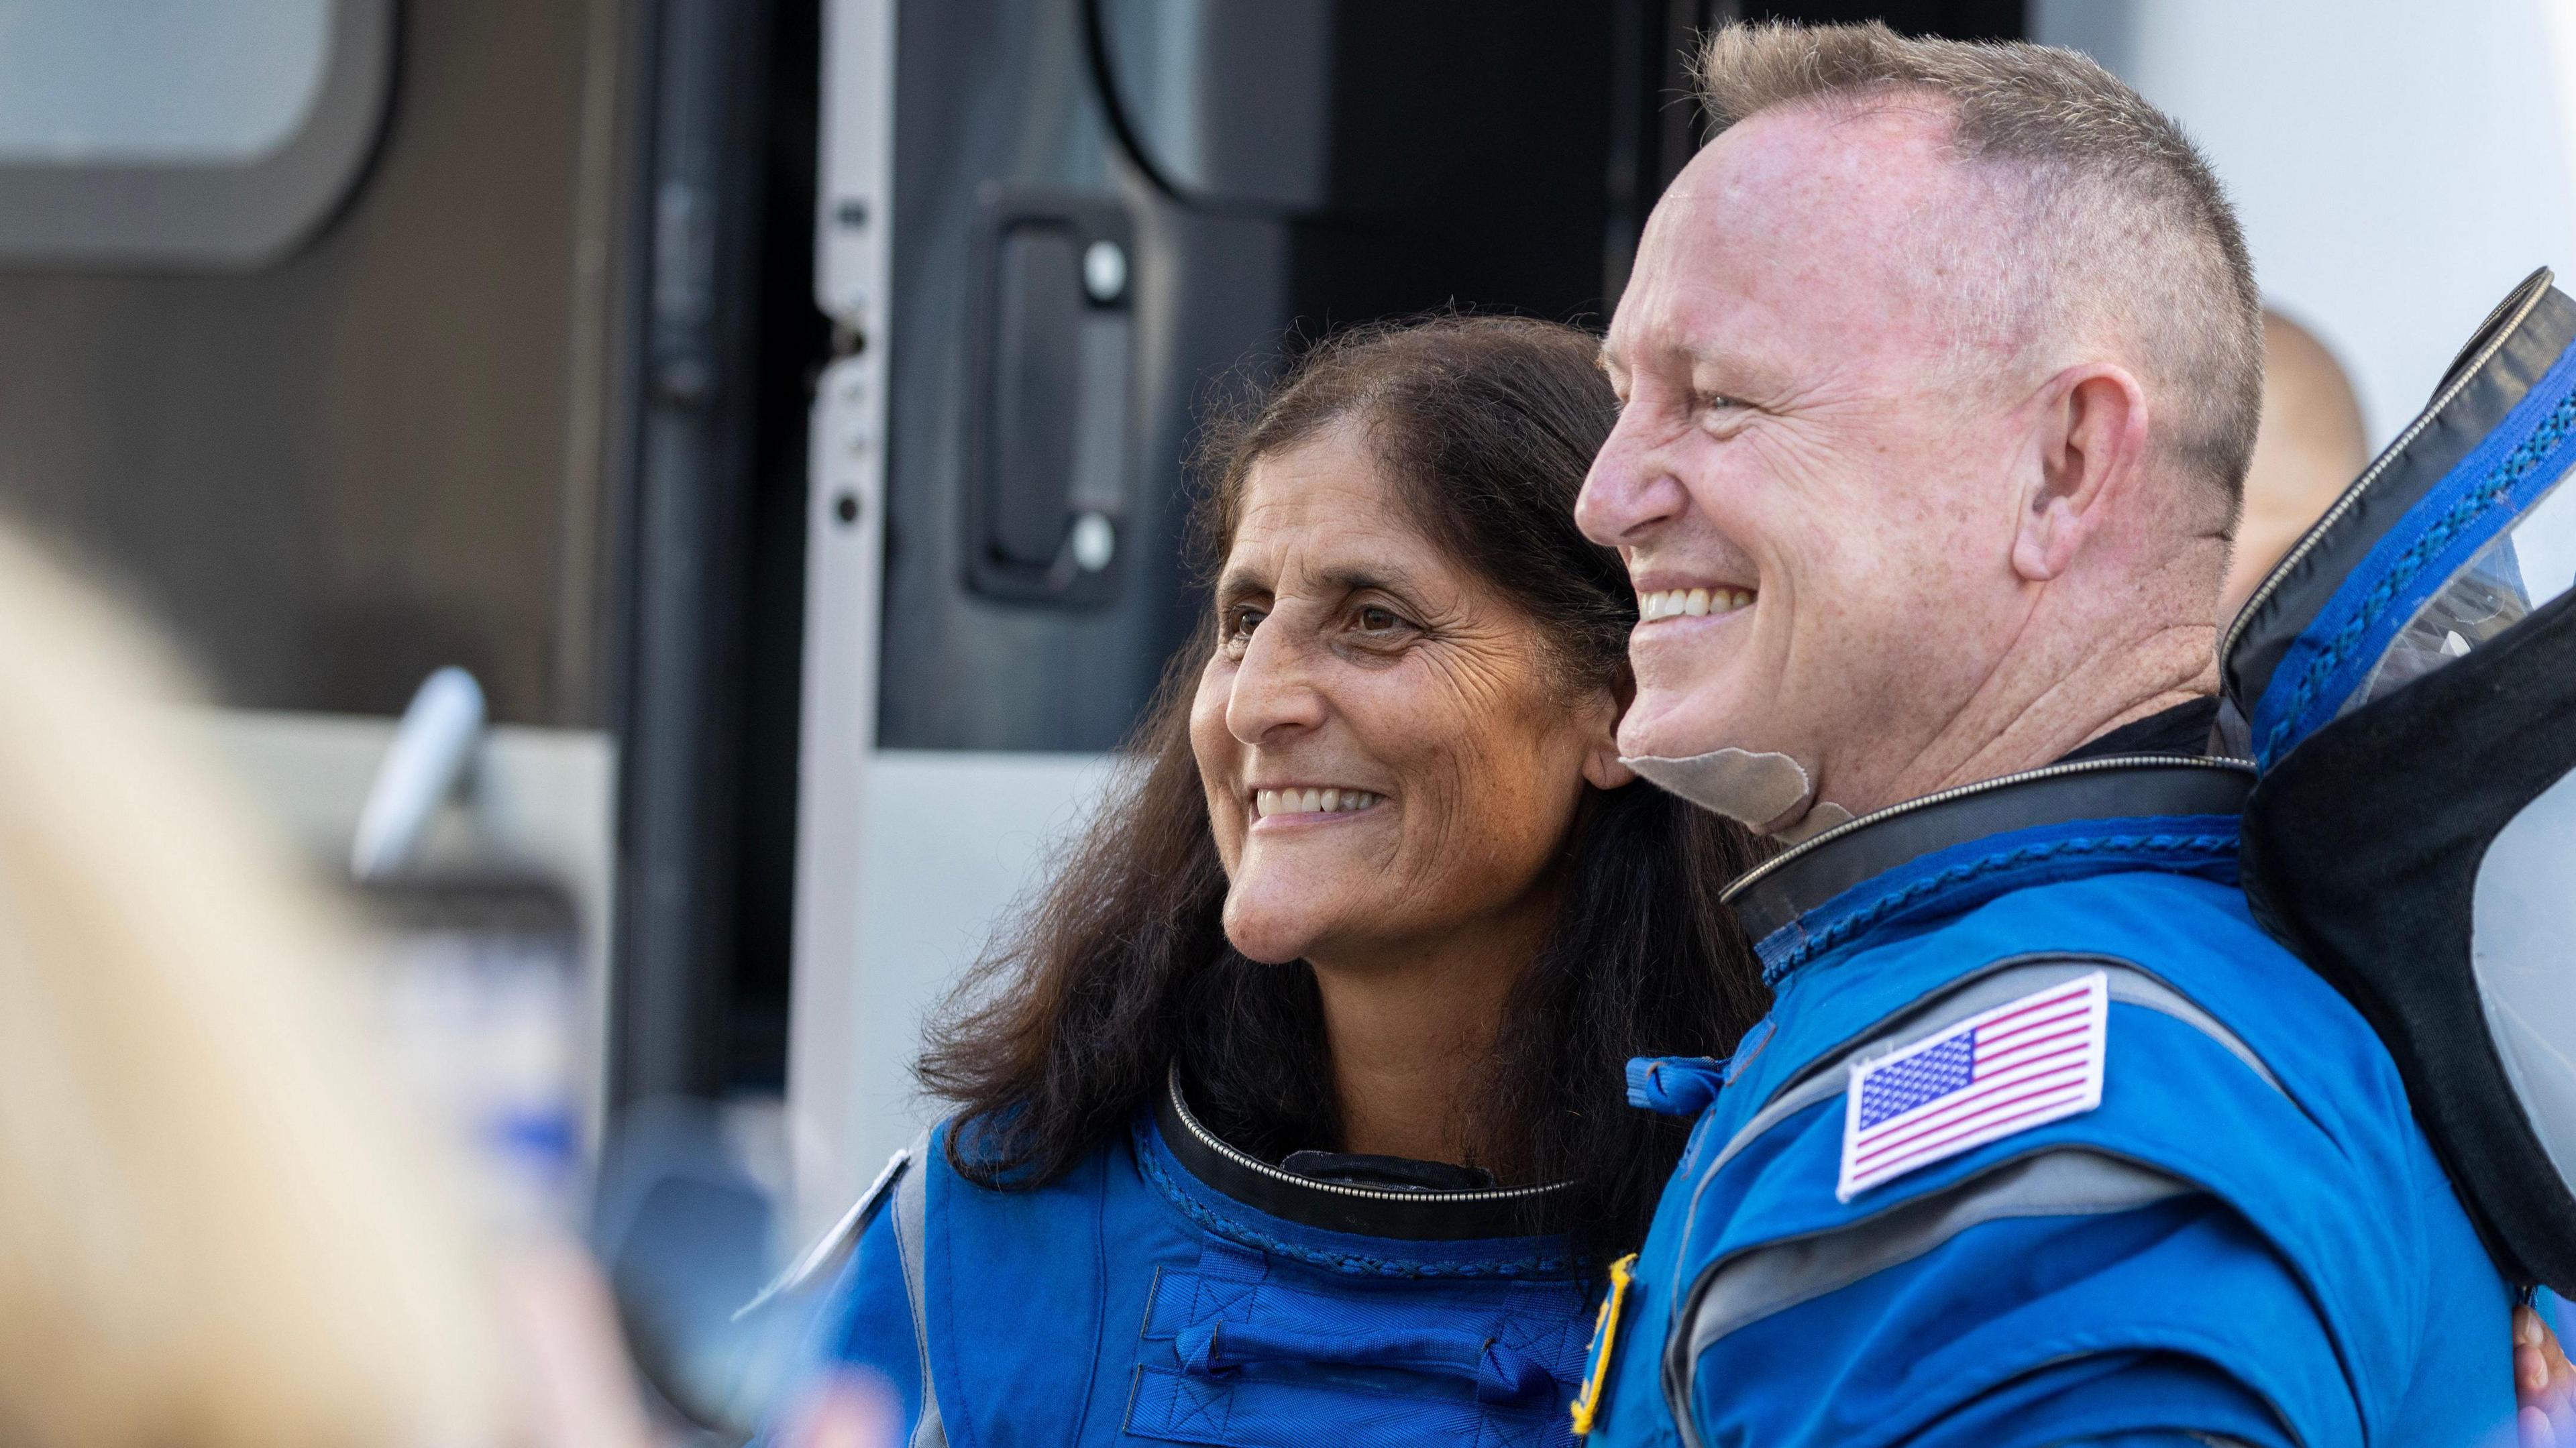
2017 1066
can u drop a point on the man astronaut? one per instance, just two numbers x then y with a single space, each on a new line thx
1950 357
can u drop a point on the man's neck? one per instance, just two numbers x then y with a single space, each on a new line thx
2041 704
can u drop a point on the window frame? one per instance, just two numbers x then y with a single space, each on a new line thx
209 215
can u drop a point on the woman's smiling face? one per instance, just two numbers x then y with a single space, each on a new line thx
1388 754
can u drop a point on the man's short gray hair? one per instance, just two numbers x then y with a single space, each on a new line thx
2124 225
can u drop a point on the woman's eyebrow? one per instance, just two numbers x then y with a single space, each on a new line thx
1342 579
1358 578
1238 581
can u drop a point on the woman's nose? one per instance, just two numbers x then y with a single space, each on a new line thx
1631 489
1274 688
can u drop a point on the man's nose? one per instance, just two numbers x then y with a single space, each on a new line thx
1275 691
1630 490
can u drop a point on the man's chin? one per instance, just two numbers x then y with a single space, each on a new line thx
1681 725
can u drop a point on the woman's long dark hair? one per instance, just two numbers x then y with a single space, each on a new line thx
1122 968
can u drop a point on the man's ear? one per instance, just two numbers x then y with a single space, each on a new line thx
2091 437
1601 766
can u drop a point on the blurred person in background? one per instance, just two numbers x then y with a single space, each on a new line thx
218 1226
2308 448
1298 1097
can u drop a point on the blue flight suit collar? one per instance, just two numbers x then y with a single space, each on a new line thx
1216 1182
1949 852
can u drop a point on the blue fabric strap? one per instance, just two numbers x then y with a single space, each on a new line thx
1674 1085
1245 1345
1226 1287
1174 1407
1501 1374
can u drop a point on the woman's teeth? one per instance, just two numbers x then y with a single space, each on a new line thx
1690 602
1267 802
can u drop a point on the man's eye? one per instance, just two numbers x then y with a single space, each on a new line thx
1378 620
1241 622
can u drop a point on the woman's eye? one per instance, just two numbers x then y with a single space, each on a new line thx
1378 620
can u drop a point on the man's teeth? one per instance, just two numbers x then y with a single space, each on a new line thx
1266 802
1690 602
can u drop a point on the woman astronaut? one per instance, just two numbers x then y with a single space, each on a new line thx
1296 1103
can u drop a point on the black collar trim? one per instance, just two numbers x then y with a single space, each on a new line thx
2124 787
1410 1216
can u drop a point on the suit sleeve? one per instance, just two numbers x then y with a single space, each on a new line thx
2168 1321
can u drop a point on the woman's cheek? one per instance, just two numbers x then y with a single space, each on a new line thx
1534 784
1227 829
1215 751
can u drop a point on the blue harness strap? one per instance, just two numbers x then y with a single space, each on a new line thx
1176 1407
1259 1349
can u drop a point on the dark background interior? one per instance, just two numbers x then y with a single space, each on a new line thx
534 400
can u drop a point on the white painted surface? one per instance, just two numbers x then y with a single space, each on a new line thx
844 560
2398 169
951 841
857 159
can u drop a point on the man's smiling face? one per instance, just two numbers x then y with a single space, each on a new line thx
1808 475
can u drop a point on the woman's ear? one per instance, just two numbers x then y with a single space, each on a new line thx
1602 769
1601 766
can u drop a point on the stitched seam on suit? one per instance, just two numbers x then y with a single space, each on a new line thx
2498 484
1862 919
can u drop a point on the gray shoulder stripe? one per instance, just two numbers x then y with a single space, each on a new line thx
911 1201
2128 983
1827 1078
1776 1276
833 1247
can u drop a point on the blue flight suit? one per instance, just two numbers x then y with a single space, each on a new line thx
2246 1240
1173 1289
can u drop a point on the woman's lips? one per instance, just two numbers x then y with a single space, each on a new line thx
1311 800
